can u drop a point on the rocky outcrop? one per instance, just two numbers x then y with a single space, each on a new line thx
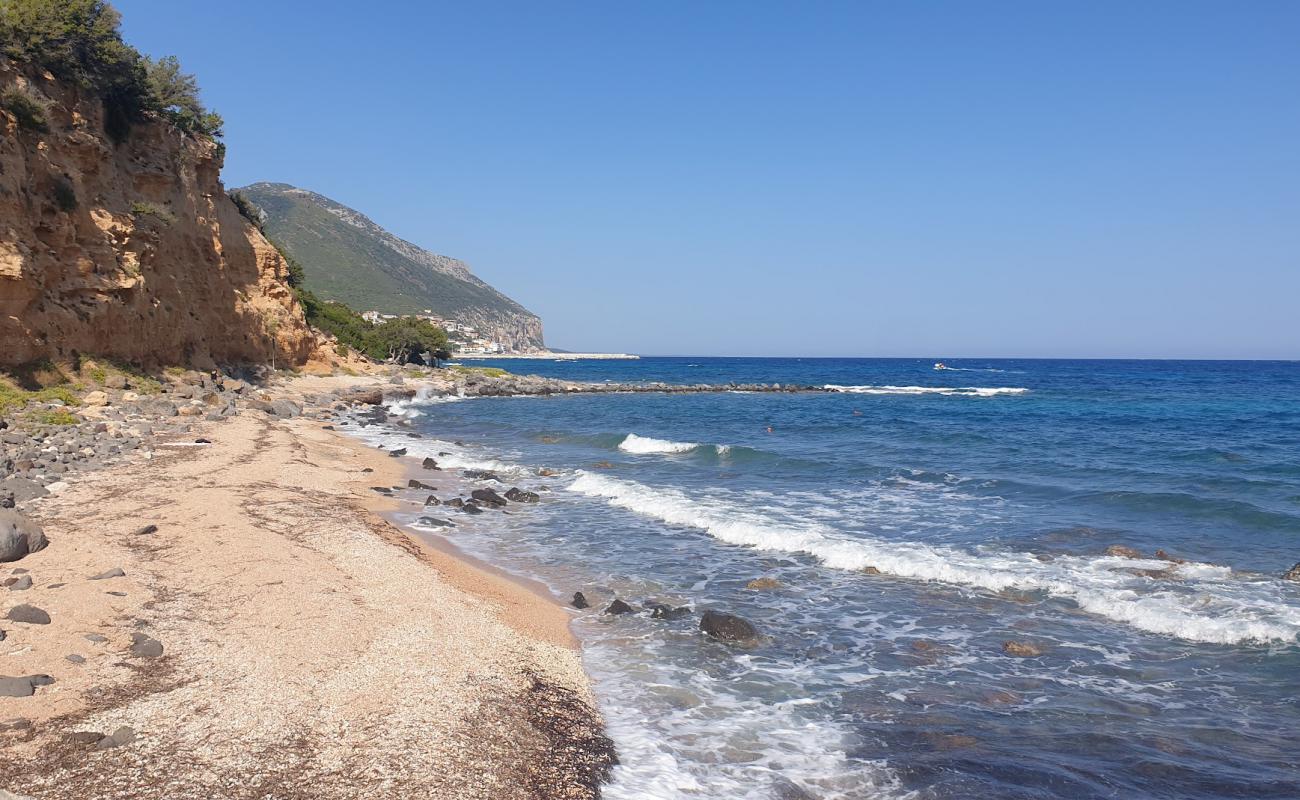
129 249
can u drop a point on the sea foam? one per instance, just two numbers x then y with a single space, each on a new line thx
1204 604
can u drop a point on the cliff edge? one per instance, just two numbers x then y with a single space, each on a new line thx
129 249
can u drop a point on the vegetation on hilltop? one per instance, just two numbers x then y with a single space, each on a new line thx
80 41
400 340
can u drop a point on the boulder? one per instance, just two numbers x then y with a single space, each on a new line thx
1163 556
517 495
727 627
398 453
429 463
19 536
580 601
432 501
481 475
488 497
619 607
414 484
1023 649
455 502
434 522
1292 574
95 399
145 531
471 507
24 686
1122 551
28 615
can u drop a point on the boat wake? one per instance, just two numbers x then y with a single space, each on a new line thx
964 391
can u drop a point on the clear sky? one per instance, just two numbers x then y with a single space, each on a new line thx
937 179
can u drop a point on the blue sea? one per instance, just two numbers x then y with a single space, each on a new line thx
916 521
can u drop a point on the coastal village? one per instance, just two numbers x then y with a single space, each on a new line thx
464 337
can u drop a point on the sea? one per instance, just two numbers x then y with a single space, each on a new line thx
915 522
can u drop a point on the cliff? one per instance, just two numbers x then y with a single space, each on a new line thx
349 258
129 250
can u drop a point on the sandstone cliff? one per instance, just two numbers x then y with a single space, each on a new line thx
129 250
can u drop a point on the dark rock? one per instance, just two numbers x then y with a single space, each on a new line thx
201 440
401 451
471 507
327 427
661 611
75 659
488 497
434 522
145 646
22 687
727 627
368 469
517 495
19 536
432 501
481 475
1163 556
146 530
456 502
381 489
619 607
16 724
1292 574
20 583
1122 551
28 615
429 463
115 572
96 638
580 600
121 736
414 484
1022 649
85 737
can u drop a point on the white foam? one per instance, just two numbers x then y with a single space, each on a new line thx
964 391
644 444
409 408
1203 605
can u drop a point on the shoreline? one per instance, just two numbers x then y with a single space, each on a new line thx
295 620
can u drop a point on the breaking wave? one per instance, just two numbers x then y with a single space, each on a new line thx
1199 603
644 445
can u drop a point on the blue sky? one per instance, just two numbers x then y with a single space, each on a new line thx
946 179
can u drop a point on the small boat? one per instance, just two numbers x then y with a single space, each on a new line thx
940 365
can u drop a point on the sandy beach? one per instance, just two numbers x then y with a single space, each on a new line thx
276 637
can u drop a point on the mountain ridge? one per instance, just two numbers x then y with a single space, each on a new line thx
350 258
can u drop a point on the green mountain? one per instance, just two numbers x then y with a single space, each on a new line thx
349 258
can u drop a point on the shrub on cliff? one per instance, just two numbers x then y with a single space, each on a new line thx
249 210
397 339
26 108
79 41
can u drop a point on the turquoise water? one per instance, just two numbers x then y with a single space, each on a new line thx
984 498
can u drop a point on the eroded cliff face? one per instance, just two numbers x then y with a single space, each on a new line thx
130 250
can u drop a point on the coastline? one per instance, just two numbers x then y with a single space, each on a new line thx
309 646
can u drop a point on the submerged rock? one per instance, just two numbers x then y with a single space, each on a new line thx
488 497
580 600
619 607
661 611
763 583
1122 551
727 627
1292 574
517 495
1023 649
